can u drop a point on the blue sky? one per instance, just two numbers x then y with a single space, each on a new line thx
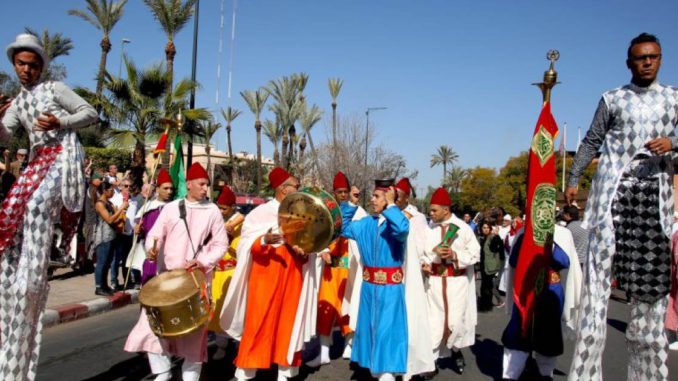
450 72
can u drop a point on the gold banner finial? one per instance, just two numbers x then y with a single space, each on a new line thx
550 76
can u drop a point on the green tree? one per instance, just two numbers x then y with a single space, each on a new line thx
205 132
287 93
309 117
255 101
229 115
482 189
103 14
172 16
444 156
514 175
454 178
273 132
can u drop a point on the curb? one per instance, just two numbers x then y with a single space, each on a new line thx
74 311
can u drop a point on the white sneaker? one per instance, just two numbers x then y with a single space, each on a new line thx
219 354
674 346
347 353
281 377
318 361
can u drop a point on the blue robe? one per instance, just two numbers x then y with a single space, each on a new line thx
380 339
546 336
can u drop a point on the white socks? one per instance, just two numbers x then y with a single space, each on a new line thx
387 377
190 371
348 349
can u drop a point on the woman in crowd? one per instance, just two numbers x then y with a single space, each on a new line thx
104 234
491 262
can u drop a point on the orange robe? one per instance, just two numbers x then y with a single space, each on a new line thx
332 289
275 283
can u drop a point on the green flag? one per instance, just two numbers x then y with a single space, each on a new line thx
177 171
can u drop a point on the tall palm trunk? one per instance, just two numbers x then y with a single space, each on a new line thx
208 151
231 167
285 142
334 133
105 48
300 158
291 151
170 52
137 166
257 127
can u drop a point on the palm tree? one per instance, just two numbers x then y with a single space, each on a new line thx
309 117
172 16
445 155
103 14
135 105
205 132
335 87
454 178
55 45
273 131
287 93
256 101
229 115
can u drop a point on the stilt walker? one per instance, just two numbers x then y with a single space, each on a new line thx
629 215
49 190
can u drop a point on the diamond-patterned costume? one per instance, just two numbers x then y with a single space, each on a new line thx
50 188
619 218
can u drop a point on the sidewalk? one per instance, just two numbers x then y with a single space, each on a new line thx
71 297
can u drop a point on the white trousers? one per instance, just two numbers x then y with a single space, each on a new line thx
514 363
462 330
248 373
162 363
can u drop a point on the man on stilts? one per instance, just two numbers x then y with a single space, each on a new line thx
629 215
51 189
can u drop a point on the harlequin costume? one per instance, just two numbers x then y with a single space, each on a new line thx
50 190
631 191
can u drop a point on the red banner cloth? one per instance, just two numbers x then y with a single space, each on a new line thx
530 276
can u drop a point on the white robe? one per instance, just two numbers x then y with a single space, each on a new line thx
462 315
256 224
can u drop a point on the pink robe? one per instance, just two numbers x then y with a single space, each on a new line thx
672 310
203 219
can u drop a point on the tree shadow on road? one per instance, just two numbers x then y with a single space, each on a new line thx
135 368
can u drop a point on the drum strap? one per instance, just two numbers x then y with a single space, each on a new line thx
182 215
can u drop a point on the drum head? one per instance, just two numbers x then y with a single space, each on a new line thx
306 221
170 287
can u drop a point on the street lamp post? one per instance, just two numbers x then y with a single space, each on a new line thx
122 53
367 134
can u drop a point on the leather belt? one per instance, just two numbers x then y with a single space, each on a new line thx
383 275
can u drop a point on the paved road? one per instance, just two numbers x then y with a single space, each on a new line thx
91 349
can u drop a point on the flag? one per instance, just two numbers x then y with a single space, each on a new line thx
162 144
177 170
530 276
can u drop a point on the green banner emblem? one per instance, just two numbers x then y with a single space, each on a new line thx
542 145
543 212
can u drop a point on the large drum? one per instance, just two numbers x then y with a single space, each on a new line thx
310 219
176 302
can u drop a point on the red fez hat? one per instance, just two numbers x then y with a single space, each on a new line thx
163 177
277 177
196 171
441 197
340 181
227 197
405 186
